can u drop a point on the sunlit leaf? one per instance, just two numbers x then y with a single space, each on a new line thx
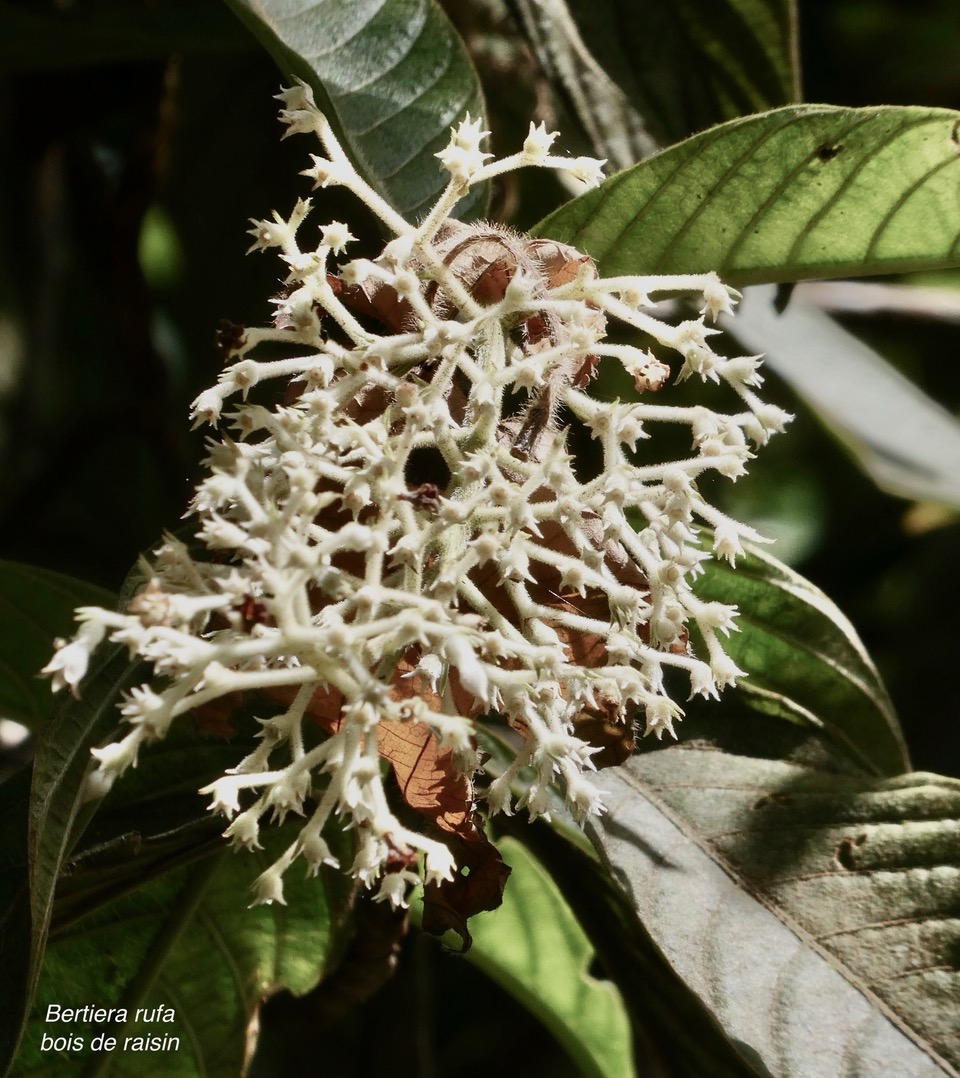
813 913
534 948
800 192
805 662
906 442
36 605
392 75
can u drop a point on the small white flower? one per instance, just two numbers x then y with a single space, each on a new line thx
316 853
268 888
462 156
538 142
244 831
70 661
587 170
225 793
336 236
395 888
116 758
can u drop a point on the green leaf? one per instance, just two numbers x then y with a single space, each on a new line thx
682 65
813 913
36 606
805 662
391 75
146 881
673 1034
906 442
15 934
186 941
800 192
534 948
54 820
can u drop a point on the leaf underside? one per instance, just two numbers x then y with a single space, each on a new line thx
801 192
689 64
906 442
834 950
391 75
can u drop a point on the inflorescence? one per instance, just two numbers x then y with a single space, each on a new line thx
326 579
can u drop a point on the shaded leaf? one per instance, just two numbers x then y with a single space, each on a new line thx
680 66
14 909
145 819
673 1034
60 766
369 961
800 192
535 949
36 606
186 941
814 914
906 442
804 661
391 75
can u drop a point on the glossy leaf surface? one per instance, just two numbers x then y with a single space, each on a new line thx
533 947
391 75
800 192
805 663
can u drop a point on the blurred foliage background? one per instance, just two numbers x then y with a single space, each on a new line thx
136 140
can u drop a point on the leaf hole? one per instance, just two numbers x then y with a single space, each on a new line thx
846 854
771 799
827 152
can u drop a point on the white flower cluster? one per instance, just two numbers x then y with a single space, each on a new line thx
511 584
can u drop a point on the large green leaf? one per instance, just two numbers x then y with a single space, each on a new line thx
673 1034
905 441
36 606
800 192
145 882
815 914
805 663
392 76
534 948
56 797
681 65
15 935
185 941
